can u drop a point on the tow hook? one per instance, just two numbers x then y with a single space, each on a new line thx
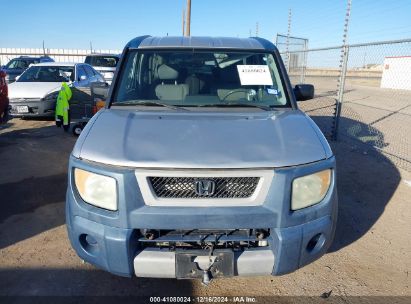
204 263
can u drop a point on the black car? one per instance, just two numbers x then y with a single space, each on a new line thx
18 65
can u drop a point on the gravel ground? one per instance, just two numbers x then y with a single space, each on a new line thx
371 254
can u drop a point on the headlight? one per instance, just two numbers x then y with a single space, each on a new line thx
52 96
310 189
96 189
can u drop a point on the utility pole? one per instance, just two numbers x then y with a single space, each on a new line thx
91 47
256 29
184 21
343 72
44 50
188 25
287 44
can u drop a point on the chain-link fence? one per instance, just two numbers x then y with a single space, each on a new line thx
295 59
376 100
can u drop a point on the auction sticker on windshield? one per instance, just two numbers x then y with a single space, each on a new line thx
254 75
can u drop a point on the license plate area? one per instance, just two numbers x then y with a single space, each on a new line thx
190 264
22 109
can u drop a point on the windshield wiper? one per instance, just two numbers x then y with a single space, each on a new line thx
228 105
147 103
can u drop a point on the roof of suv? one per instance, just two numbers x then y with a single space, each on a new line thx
252 43
33 57
102 54
57 64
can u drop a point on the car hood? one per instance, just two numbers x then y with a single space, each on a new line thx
201 140
32 89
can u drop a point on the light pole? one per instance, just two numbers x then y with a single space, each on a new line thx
184 21
188 23
343 71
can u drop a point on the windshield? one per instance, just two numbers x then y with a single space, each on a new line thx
102 61
201 78
20 63
48 74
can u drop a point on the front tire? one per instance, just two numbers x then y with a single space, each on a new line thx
77 129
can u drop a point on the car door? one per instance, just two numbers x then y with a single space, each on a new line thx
4 102
82 77
81 102
90 73
99 77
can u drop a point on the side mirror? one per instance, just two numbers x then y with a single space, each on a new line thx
304 92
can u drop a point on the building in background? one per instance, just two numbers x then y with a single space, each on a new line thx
396 73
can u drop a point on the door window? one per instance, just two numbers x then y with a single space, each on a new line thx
81 72
89 71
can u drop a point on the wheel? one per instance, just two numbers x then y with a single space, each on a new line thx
77 129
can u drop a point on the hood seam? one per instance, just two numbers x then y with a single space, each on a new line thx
310 122
85 137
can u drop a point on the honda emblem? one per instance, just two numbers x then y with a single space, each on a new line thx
204 187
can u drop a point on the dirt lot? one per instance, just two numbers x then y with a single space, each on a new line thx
371 254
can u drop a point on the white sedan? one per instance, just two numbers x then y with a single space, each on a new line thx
35 91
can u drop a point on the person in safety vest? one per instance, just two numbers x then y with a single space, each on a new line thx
63 107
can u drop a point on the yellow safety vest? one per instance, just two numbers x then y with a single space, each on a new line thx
62 104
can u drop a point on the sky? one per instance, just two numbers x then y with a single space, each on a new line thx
110 24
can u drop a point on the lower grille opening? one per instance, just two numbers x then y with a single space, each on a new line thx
236 239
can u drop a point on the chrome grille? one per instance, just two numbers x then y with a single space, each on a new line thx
187 187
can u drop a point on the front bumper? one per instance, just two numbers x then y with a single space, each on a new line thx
35 107
116 250
110 240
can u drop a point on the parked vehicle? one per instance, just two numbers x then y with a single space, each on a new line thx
83 109
201 166
4 99
35 91
105 64
18 65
